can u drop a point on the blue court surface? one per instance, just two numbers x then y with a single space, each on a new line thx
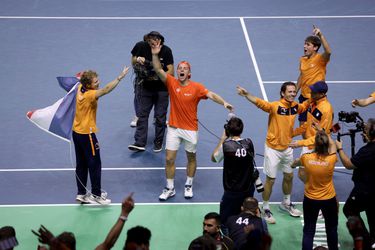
253 44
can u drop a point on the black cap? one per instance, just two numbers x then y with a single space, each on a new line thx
156 34
319 87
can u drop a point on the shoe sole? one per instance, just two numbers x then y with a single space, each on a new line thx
136 148
287 211
160 199
157 150
188 197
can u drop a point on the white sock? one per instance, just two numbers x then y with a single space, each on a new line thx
170 183
189 181
266 205
287 199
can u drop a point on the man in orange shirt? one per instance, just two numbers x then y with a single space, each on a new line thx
277 153
86 145
184 97
312 66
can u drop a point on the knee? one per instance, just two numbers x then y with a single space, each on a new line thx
288 177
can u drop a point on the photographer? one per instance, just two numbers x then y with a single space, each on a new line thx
362 196
238 168
150 91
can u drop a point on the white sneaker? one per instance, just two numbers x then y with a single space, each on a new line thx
268 216
83 198
188 192
93 199
167 193
291 209
133 123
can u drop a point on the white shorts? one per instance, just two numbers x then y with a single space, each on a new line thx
275 160
175 136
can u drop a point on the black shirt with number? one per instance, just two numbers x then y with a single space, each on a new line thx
238 165
150 80
237 223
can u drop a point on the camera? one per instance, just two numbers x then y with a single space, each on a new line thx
348 117
258 182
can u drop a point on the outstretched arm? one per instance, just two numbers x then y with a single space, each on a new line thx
126 207
155 49
343 157
218 99
327 49
243 92
364 102
113 84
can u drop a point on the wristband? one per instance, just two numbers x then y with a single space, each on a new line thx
123 218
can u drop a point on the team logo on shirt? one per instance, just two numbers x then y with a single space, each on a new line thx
178 90
316 113
312 65
187 94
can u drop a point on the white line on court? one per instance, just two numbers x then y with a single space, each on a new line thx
138 204
251 51
349 82
112 169
181 18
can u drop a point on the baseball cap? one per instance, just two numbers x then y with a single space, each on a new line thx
319 87
156 34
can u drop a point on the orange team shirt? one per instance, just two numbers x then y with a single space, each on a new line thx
280 121
86 106
312 70
320 112
184 103
319 171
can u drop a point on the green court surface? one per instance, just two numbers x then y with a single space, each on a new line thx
173 226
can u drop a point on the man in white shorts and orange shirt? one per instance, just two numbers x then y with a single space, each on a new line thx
277 153
184 97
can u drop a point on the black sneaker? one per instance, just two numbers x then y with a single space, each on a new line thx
136 147
158 147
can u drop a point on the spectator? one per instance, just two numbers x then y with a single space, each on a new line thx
183 121
138 238
211 227
64 241
238 168
203 242
8 238
362 196
277 153
127 206
150 91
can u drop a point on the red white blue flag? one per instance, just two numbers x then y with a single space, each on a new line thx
58 118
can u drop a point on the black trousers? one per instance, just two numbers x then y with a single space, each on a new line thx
357 202
310 216
148 99
87 161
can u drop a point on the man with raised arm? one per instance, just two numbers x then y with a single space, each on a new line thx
185 95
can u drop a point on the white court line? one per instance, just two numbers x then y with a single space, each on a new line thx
350 82
112 169
138 204
251 51
182 18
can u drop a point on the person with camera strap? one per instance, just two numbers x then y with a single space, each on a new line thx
277 153
239 172
150 91
362 196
